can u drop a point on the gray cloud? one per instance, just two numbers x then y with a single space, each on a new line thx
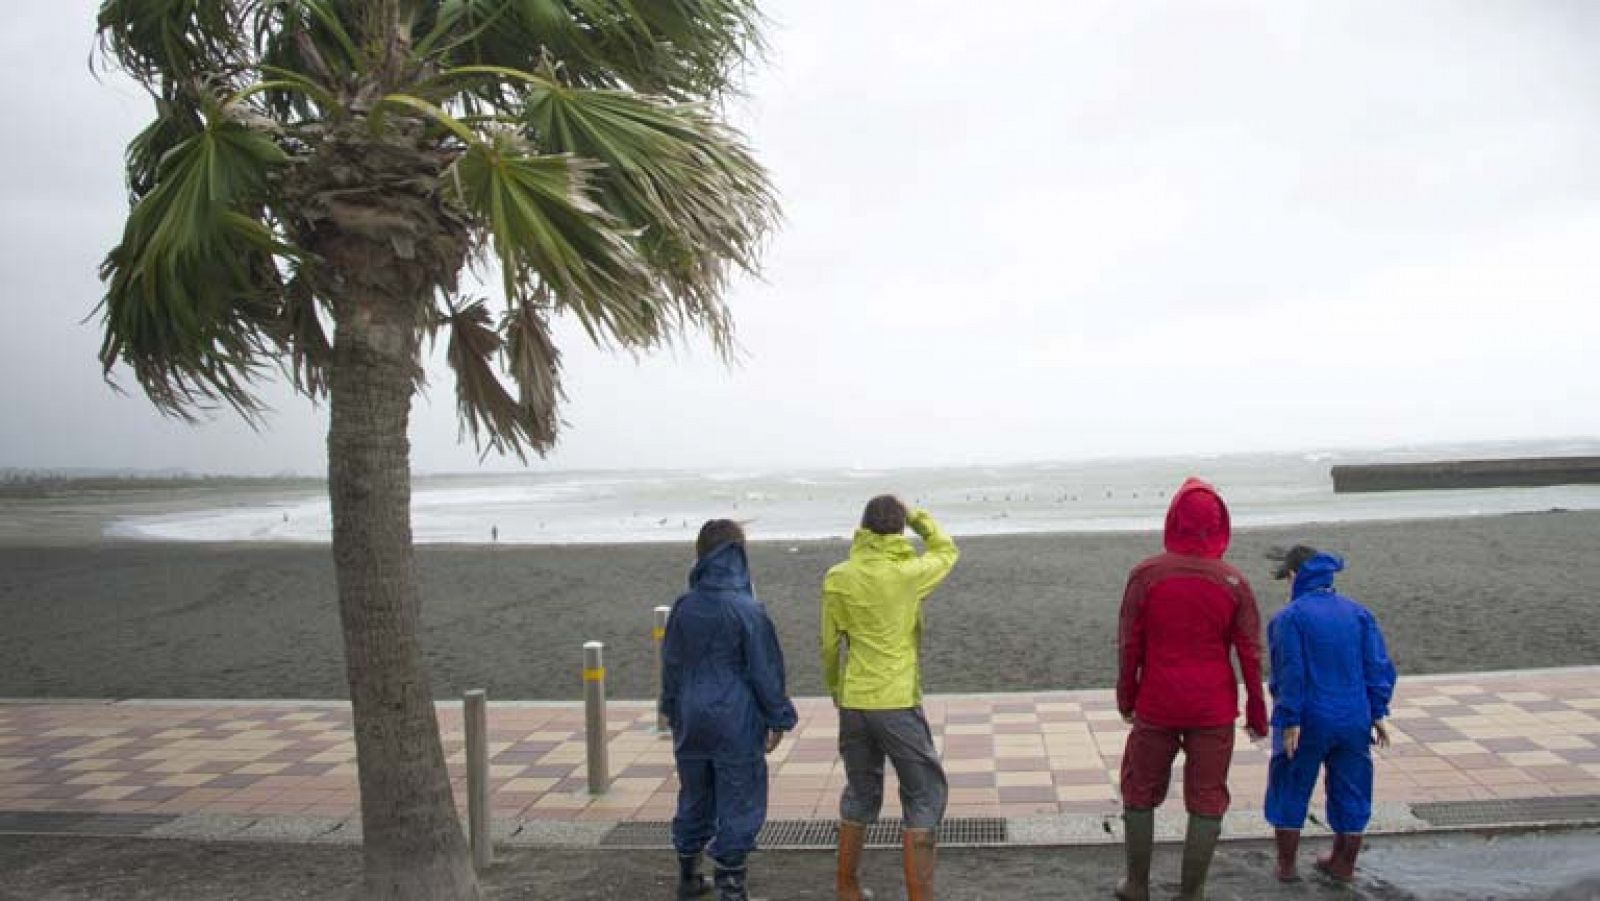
1056 231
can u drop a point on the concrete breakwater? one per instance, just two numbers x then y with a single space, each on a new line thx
1529 472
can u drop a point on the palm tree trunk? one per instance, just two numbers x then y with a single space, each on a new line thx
414 846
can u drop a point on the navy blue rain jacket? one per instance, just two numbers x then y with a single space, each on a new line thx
722 669
1330 668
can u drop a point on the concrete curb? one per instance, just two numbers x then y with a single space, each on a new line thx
631 703
1063 830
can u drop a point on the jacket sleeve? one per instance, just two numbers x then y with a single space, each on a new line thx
1130 644
1288 672
671 667
763 667
830 643
1378 668
1247 645
937 560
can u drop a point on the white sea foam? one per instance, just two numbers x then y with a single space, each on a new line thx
643 506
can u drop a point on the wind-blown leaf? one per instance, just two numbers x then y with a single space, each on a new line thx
196 272
171 42
547 233
535 365
679 48
486 409
300 335
686 184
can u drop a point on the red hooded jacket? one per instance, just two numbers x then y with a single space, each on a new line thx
1181 614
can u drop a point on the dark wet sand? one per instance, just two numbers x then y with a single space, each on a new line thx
1020 612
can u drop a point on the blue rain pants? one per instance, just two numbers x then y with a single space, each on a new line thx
721 808
1346 755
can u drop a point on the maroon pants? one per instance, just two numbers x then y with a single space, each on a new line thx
1147 767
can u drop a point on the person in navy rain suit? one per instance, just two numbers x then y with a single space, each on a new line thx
723 695
1332 681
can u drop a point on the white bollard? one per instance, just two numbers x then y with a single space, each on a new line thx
659 633
475 716
594 703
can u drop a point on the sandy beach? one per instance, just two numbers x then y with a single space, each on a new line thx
98 619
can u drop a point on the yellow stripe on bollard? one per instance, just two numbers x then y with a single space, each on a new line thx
594 675
659 633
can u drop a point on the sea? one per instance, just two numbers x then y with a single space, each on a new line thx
1104 495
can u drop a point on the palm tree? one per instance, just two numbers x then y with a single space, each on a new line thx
320 165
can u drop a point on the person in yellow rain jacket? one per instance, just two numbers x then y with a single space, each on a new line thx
871 637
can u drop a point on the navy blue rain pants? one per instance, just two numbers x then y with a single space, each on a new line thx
721 808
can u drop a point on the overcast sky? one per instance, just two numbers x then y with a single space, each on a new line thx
1056 230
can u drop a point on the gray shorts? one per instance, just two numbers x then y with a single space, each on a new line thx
866 737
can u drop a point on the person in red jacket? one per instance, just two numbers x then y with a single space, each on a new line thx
1185 613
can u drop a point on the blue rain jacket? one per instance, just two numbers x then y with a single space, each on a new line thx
722 669
1330 668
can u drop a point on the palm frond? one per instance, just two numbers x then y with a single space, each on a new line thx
549 235
300 336
679 48
496 420
197 273
307 43
535 365
173 44
177 120
684 182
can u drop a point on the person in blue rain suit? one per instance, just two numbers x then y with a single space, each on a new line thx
1331 684
723 695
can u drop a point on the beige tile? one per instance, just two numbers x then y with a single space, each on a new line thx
110 792
1084 792
187 780
1561 742
1007 780
529 784
1533 758
1457 748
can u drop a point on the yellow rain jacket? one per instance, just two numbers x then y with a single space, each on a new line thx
873 601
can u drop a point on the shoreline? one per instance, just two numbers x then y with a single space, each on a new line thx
51 528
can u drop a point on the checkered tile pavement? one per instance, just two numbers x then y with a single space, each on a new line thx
1464 737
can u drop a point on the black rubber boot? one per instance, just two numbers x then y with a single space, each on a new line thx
1199 844
730 884
691 882
1139 840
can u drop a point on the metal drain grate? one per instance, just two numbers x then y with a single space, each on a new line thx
1512 811
27 823
821 834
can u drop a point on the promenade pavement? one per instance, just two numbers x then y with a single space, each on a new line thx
1022 757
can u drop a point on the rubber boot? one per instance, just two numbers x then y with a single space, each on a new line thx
1199 845
1326 862
691 882
731 884
1341 864
1288 846
1139 841
920 853
852 841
